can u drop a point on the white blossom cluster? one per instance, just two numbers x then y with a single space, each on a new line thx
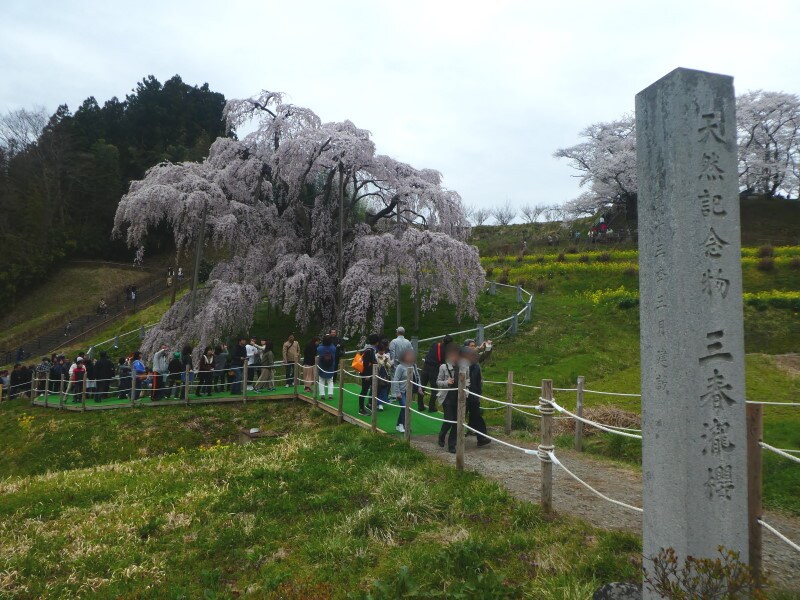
272 205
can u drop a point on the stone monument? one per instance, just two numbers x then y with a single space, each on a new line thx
692 338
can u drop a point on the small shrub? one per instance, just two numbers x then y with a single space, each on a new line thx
539 286
794 263
766 264
520 258
489 271
765 251
716 579
572 250
561 257
631 272
506 249
501 259
540 259
604 257
584 258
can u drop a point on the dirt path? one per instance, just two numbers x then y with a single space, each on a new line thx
519 473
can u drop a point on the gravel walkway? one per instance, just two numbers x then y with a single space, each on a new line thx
519 473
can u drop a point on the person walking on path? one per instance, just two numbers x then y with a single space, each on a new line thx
368 360
385 370
76 380
474 412
161 368
204 374
253 361
448 380
175 373
291 352
221 359
399 345
309 358
138 373
237 359
266 379
326 366
406 368
336 341
103 372
430 371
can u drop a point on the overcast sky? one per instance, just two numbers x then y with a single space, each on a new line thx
482 91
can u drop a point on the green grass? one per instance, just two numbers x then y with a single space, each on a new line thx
147 503
72 290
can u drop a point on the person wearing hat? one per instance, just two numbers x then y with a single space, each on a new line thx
399 346
77 373
175 368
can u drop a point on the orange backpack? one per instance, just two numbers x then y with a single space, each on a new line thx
358 362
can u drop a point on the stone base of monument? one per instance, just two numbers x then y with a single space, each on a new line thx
618 591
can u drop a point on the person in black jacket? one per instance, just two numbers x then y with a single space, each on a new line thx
237 358
369 359
430 371
103 372
474 413
336 341
124 370
176 372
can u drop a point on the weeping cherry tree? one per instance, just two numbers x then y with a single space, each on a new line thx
310 219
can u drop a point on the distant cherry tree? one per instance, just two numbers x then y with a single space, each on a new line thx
768 135
606 162
310 219
768 126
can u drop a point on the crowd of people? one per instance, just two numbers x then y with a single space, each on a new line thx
173 374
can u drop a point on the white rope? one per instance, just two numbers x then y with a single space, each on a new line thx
427 416
499 441
590 422
524 385
780 452
779 534
774 403
607 393
555 460
525 412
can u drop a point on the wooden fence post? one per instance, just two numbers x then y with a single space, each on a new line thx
34 380
546 444
509 398
340 414
296 371
186 398
61 393
755 433
374 416
244 380
134 378
462 411
315 382
407 407
83 393
579 412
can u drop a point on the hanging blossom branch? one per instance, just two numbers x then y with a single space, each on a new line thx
272 201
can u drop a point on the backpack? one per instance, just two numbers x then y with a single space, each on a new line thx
358 363
326 360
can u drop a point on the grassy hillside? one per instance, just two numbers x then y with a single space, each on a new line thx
73 290
149 504
586 322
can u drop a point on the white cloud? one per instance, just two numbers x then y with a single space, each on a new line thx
482 91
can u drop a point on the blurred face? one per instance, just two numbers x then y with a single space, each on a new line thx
291 338
452 357
333 333
472 343
408 357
